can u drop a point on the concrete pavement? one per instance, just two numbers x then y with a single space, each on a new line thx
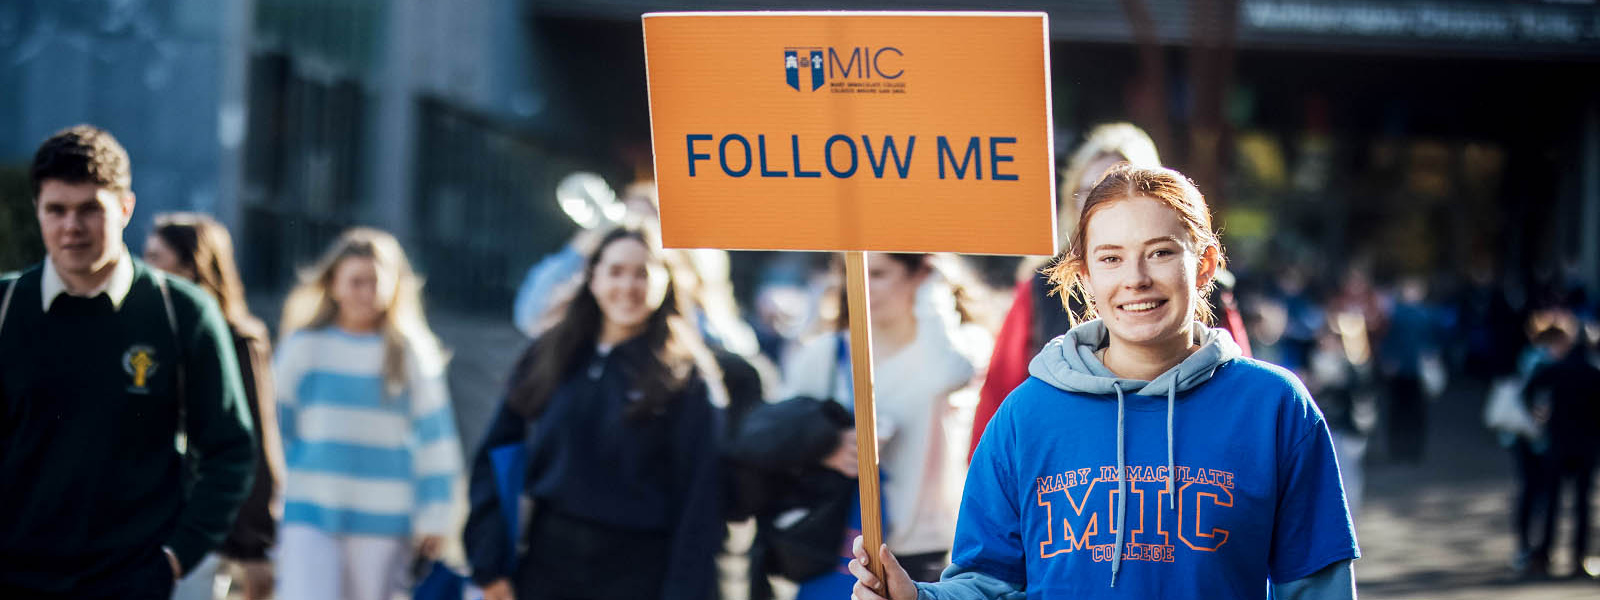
1441 530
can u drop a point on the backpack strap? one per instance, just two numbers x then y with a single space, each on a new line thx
172 324
5 305
841 356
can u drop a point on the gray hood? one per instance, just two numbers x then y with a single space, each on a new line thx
1068 363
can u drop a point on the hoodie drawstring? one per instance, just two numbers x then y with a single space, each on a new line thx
1172 473
1122 469
1122 490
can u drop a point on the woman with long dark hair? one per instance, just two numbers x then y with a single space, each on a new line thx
613 405
198 248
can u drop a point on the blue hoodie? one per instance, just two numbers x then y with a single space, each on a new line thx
1215 480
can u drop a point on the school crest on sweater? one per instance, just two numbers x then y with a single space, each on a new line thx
139 362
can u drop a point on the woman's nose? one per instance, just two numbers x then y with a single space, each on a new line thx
1140 277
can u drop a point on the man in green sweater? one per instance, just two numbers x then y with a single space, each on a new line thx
125 442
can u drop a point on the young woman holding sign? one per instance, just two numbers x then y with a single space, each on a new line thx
613 403
1145 458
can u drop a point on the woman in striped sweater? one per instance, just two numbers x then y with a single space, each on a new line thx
369 437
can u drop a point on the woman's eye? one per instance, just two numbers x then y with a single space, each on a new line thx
1161 253
1110 260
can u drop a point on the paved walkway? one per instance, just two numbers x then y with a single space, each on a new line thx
1441 530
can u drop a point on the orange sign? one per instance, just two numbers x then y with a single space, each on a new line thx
909 132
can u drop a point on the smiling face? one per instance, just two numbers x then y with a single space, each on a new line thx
628 284
1144 271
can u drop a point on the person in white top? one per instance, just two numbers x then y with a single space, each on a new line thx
916 370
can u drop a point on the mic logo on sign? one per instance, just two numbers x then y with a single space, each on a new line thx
863 63
813 62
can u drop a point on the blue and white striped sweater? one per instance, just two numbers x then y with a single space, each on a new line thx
360 463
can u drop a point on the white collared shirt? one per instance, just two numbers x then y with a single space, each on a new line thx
115 287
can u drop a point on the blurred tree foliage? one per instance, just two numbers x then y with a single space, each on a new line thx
20 245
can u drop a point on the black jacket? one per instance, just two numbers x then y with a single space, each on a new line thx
775 465
588 461
1571 386
775 458
255 530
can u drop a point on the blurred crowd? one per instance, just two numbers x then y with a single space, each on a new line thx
652 421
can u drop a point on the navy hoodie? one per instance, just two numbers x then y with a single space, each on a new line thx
587 460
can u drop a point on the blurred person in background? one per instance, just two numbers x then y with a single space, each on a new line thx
1408 360
368 431
1073 493
1507 414
916 368
614 404
125 440
199 249
1491 336
1340 389
794 470
955 300
547 282
1563 397
702 278
1302 319
1356 312
809 466
779 316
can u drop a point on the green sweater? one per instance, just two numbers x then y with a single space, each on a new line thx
91 481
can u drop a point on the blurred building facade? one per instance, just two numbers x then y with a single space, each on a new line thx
165 76
445 123
1413 137
1420 136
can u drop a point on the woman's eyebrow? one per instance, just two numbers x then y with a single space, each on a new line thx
1165 238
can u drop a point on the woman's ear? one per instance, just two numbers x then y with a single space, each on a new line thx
1208 267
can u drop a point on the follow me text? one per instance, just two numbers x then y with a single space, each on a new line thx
840 156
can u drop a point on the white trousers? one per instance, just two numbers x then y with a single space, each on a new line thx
313 565
201 582
1349 450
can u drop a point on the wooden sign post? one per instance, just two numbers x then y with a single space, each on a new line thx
855 276
853 132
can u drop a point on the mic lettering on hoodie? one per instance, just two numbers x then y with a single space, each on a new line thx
1082 511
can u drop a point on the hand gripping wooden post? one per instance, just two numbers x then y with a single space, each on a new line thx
855 268
853 132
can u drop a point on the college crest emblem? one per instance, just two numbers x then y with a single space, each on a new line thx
140 363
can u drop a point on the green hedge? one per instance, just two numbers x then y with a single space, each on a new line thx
20 245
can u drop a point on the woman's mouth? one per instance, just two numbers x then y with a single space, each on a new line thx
1142 307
